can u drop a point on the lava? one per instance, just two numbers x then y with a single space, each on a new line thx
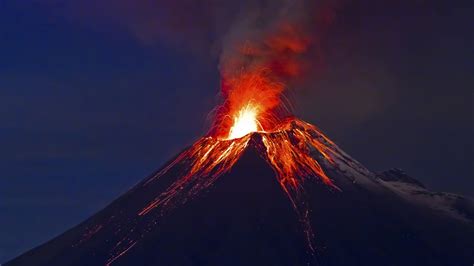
291 149
252 103
245 122
205 161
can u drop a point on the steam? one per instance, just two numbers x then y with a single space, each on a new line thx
264 34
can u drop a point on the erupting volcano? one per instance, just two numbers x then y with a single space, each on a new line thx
266 188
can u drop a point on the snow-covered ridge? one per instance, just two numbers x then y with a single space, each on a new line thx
415 192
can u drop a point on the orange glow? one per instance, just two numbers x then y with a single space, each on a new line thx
252 101
245 122
205 161
254 77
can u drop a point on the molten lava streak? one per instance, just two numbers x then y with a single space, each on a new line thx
253 85
245 122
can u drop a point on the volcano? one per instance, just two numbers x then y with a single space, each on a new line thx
286 197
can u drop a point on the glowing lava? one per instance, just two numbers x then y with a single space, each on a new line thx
245 122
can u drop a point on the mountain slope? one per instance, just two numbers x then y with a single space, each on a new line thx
245 218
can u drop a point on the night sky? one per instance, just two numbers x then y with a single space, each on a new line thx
93 97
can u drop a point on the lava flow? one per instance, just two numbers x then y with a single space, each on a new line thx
291 148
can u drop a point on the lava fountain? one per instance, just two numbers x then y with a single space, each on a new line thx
245 122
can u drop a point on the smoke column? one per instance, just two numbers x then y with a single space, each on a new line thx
269 46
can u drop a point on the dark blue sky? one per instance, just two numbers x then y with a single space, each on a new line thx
87 108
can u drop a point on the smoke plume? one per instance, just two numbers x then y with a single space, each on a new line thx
267 48
263 47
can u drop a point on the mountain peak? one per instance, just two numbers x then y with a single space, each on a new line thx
397 174
286 197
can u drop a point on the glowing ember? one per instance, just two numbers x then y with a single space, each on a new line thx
245 122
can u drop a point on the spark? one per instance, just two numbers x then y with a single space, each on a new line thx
245 122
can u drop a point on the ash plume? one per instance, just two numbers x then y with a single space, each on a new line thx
268 46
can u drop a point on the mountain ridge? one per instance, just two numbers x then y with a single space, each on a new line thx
245 218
